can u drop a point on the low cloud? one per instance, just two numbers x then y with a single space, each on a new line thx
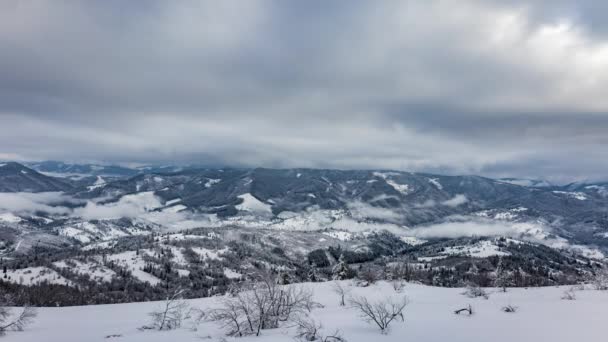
130 206
29 203
456 201
250 83
360 210
465 229
57 203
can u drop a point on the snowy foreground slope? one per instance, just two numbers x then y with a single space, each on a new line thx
542 316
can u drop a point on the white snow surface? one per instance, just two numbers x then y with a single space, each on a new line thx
211 181
35 275
402 188
340 235
99 182
436 183
481 249
576 195
10 218
412 240
96 271
429 316
252 204
173 201
135 264
231 274
205 253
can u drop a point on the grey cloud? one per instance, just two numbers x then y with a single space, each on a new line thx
494 87
455 201
48 202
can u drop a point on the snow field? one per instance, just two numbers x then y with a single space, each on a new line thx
429 316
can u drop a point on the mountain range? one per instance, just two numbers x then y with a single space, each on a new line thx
103 228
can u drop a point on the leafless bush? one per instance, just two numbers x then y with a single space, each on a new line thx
569 295
197 316
578 287
15 322
509 308
309 330
468 311
341 291
474 291
262 306
398 285
369 275
361 283
402 271
381 313
172 313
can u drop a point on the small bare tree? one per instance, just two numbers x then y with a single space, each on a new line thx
474 291
234 317
172 313
569 295
342 292
18 322
509 308
309 330
382 312
262 306
368 274
197 316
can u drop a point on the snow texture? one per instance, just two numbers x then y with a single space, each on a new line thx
429 316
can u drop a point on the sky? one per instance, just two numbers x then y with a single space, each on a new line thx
496 88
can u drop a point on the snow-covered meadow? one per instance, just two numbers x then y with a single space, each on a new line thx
542 315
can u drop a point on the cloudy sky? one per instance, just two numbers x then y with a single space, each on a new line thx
499 88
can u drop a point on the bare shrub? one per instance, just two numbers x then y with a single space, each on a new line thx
172 313
474 291
382 312
402 271
15 322
509 308
368 274
197 316
309 330
341 291
578 287
569 295
468 311
262 306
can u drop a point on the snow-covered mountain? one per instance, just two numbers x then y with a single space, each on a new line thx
15 177
71 170
222 225
538 183
310 199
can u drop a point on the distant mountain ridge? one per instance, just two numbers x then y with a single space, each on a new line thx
405 199
15 177
156 226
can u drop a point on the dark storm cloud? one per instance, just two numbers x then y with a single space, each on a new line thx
503 88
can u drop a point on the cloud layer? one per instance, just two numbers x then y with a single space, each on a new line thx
491 87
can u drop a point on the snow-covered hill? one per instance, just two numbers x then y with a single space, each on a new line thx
101 232
541 316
